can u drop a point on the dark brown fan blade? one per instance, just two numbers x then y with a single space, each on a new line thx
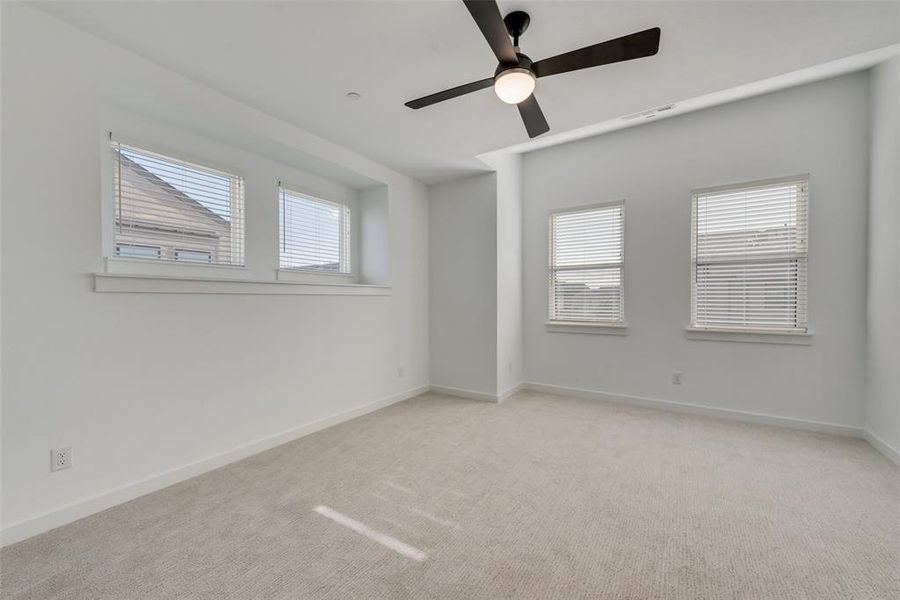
533 117
487 15
636 45
451 93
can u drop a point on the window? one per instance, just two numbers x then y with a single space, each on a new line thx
193 255
587 256
749 255
170 210
134 251
314 234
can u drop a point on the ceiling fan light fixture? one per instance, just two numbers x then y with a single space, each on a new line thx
514 78
514 85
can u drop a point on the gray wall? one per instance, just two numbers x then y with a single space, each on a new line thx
509 273
142 385
819 128
883 409
463 283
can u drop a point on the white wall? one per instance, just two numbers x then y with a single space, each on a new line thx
476 281
82 368
820 129
883 357
509 272
142 384
374 228
463 283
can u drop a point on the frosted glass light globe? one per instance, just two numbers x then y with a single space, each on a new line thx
514 86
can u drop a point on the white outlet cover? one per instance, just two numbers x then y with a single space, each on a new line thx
61 458
676 377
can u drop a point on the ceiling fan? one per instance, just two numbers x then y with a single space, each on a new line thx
515 76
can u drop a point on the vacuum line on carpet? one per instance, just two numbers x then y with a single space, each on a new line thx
376 536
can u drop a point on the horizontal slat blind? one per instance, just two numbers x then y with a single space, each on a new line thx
749 256
314 234
171 210
587 253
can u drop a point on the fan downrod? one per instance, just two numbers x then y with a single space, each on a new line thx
516 23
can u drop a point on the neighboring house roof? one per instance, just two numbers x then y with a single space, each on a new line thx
153 203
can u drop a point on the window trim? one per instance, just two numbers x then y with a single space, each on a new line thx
618 327
746 334
760 336
302 274
587 327
138 283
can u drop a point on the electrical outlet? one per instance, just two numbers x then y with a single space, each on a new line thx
676 377
400 372
61 458
509 367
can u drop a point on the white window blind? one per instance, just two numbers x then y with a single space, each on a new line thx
587 256
749 257
177 209
314 234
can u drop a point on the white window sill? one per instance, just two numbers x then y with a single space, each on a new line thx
139 283
758 337
587 327
303 276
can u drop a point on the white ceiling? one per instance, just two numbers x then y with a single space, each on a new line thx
297 60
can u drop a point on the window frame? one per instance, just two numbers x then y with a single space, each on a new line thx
790 335
310 274
126 265
113 274
177 252
603 326
120 245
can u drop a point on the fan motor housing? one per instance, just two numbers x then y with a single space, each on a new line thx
523 64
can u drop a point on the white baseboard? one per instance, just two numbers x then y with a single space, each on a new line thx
504 395
891 453
475 395
22 530
697 409
17 532
463 393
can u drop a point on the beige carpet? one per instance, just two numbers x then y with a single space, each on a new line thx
539 497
